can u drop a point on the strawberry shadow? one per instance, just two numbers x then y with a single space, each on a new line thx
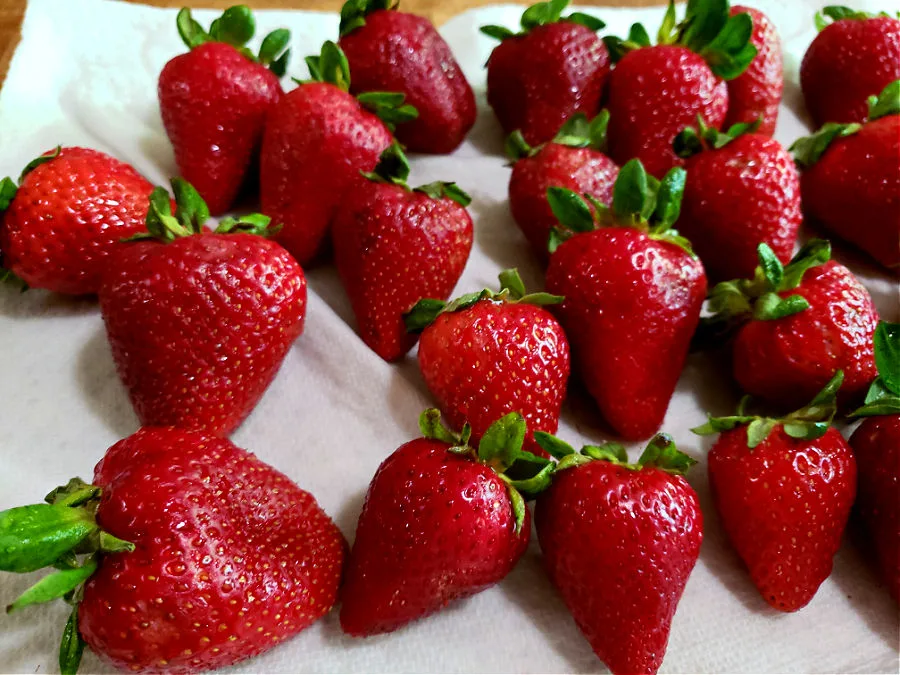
408 395
498 237
40 304
487 136
104 392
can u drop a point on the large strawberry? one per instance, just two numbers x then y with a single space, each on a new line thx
853 57
200 321
619 541
394 246
185 554
552 68
318 139
389 50
215 98
70 210
783 488
633 293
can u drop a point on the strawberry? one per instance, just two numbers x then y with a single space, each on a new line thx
551 69
795 325
318 139
487 354
619 542
742 189
389 50
656 91
59 227
850 180
199 321
574 160
394 246
215 98
783 488
854 56
186 554
441 521
633 293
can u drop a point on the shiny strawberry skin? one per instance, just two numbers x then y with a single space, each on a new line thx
231 557
397 51
788 361
538 81
214 103
654 93
736 197
435 527
68 217
583 170
619 545
632 305
318 139
393 247
784 506
847 62
199 326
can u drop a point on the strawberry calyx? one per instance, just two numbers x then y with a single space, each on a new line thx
828 15
576 132
542 14
883 397
693 141
393 168
661 452
354 12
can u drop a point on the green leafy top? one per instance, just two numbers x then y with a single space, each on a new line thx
354 12
8 187
827 15
660 452
236 27
692 141
576 132
393 167
883 397
541 14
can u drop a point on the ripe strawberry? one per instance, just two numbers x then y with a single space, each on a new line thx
619 541
441 521
390 50
487 354
215 98
199 321
66 217
853 57
633 293
742 189
574 160
850 180
394 246
783 489
318 139
541 76
656 91
199 555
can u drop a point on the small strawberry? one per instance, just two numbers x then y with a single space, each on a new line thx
318 139
619 542
854 56
389 50
487 354
215 98
441 521
186 554
783 489
742 189
394 246
59 227
200 321
633 293
553 68
574 160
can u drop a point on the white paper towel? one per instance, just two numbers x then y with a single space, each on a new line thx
85 73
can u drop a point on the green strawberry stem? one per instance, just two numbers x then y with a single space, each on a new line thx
542 14
692 141
827 15
576 132
883 397
393 167
886 103
354 12
661 452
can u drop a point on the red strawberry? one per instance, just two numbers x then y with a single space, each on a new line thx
619 541
390 50
574 160
550 70
318 139
633 293
783 489
66 217
853 57
742 189
207 556
441 521
756 94
215 98
199 321
487 354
